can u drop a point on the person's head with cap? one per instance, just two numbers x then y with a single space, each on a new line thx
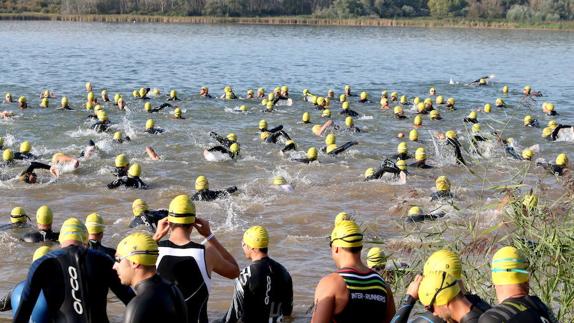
18 216
342 216
201 183
279 182
181 213
346 243
95 226
73 232
44 217
255 243
135 170
121 161
440 293
139 206
40 252
510 274
442 184
376 259
136 256
444 260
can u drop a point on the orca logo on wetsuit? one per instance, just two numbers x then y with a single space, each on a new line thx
75 288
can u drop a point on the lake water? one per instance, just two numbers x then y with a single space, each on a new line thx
121 57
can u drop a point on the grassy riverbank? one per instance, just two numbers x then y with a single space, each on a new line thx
300 20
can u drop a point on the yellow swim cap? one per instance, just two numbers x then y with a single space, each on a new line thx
416 100
413 135
476 127
320 100
527 154
349 122
40 252
438 289
402 148
369 172
347 234
264 102
415 210
98 108
22 99
434 115
505 89
439 100
306 118
312 153
91 96
45 103
376 258
482 81
104 93
269 106
347 88
117 97
398 110
201 183
385 94
364 95
271 97
18 215
94 223
546 132
487 108
562 160
326 114
141 92
102 116
64 101
552 124
250 92
260 90
549 106
172 94
121 160
472 115
135 170
418 120
44 215
256 237
499 102
527 89
330 139
234 148
420 107
342 216
402 164
444 260
89 105
394 95
181 210
279 180
342 98
149 124
25 147
509 267
451 101
442 183
420 154
139 248
284 88
73 230
331 148
316 128
528 120
262 125
147 106
139 206
404 100
243 108
345 105
451 134
118 135
232 137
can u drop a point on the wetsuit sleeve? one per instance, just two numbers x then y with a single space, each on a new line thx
236 311
33 166
164 105
288 302
6 302
557 129
279 127
344 147
457 152
31 291
302 160
157 215
231 189
405 308
141 184
117 183
220 149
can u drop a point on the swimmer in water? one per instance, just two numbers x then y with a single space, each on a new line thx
228 94
416 214
148 108
350 125
331 147
151 153
122 165
272 137
18 220
420 159
64 104
22 102
89 151
172 96
250 94
177 114
472 117
104 96
59 161
528 121
399 113
118 138
95 225
132 180
24 153
311 156
364 97
527 91
6 114
290 145
345 110
402 152
280 183
146 217
204 92
103 122
203 193
44 217
229 145
452 140
347 91
559 167
29 176
7 158
143 92
8 98
548 109
151 129
389 167
442 189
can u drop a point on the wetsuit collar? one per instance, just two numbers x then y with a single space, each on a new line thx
142 285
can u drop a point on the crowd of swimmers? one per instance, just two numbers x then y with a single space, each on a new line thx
159 273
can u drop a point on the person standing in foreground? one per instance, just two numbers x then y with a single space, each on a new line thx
510 278
75 281
264 289
156 299
189 264
354 293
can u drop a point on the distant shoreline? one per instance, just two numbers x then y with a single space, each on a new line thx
299 21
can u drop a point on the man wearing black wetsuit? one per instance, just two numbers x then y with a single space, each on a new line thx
156 299
144 216
264 289
44 218
95 224
133 179
205 194
510 277
75 281
29 176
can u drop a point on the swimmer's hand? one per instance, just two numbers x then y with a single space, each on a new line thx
202 227
231 189
413 289
162 229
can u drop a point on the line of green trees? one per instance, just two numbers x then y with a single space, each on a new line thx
513 10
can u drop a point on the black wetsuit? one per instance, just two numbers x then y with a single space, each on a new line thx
25 175
424 217
156 300
12 226
274 136
130 182
263 293
352 129
223 150
75 282
97 245
186 267
209 195
407 303
41 236
552 168
533 124
402 156
554 134
420 164
223 141
101 126
289 147
469 120
158 109
154 131
273 130
341 148
527 309
399 116
304 160
512 152
149 219
387 166
349 112
24 156
457 153
120 171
